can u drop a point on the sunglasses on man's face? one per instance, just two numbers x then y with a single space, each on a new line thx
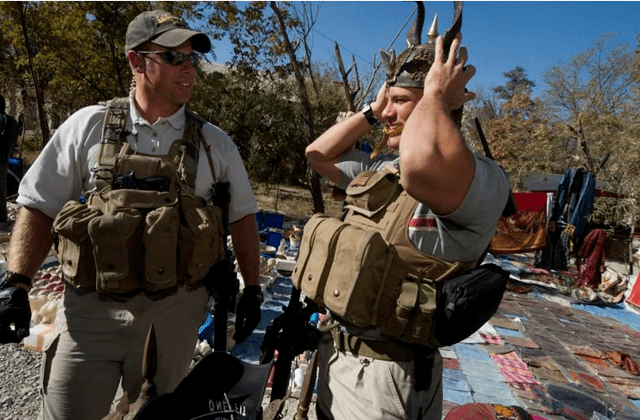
174 58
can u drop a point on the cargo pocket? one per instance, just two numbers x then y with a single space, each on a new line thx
201 242
358 275
116 239
48 353
370 191
72 245
161 248
315 258
422 326
413 317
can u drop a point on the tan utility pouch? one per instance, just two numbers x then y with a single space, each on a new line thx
160 241
362 280
126 198
316 255
371 191
72 245
200 242
118 262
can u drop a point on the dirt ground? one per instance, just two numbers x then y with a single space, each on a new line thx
295 203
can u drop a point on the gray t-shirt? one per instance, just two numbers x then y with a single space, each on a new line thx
462 235
63 170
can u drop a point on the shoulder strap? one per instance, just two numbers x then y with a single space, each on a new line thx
197 123
113 135
184 152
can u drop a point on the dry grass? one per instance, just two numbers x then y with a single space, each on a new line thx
294 203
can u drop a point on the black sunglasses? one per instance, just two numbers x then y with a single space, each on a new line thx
174 58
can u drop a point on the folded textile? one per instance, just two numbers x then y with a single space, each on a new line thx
488 411
525 231
623 361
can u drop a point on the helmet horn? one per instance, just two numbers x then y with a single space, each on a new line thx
451 33
415 32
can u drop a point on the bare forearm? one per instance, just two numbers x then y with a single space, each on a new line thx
31 241
325 151
246 245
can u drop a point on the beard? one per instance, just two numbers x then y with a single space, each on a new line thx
393 132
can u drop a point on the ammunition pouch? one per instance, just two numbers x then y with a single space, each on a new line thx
363 281
120 250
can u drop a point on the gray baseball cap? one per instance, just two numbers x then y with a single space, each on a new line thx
164 29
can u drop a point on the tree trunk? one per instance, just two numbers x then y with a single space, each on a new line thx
42 116
345 80
307 113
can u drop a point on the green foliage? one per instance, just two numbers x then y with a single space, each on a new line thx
265 120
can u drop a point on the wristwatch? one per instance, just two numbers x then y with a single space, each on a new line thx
370 116
13 278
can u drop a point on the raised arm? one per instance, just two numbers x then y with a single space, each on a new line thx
324 153
436 165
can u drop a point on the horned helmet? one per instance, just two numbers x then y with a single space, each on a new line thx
410 68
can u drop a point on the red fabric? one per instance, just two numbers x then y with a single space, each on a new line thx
471 412
634 296
590 259
452 364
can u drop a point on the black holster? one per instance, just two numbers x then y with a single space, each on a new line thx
423 368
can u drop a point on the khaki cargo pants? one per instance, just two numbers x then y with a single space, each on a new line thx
99 343
362 388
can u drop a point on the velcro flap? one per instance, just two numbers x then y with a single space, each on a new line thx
110 234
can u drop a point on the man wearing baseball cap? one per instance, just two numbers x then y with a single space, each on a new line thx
138 248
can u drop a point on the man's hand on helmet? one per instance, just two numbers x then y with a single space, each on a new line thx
450 74
380 103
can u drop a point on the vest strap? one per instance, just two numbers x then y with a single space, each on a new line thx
184 153
376 349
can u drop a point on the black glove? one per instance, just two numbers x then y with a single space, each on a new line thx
248 313
14 309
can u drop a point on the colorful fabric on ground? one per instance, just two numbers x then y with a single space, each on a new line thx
478 411
587 379
513 369
452 364
623 361
526 230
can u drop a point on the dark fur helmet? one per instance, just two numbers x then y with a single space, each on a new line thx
410 68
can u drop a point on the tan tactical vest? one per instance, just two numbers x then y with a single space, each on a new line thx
142 227
366 270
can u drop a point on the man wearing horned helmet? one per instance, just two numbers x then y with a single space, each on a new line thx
457 198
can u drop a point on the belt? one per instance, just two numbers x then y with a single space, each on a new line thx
377 349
